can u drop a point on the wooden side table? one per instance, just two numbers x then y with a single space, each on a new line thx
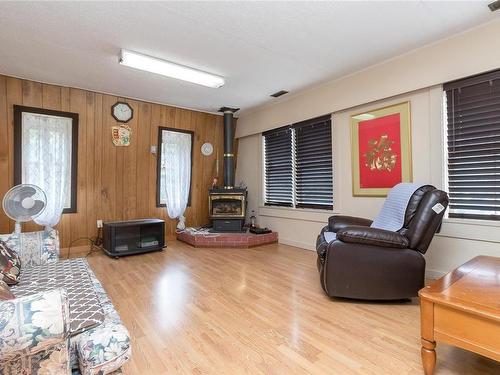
462 309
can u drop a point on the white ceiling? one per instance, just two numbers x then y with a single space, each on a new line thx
259 47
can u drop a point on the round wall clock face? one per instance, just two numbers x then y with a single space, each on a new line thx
122 112
207 149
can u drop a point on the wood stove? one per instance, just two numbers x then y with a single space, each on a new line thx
227 209
227 205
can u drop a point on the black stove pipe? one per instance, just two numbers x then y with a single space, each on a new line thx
228 146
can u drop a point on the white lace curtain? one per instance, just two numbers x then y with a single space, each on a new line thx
46 158
176 165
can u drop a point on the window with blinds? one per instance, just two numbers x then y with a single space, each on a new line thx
313 164
473 144
278 167
298 168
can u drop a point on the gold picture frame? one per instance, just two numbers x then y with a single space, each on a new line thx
381 150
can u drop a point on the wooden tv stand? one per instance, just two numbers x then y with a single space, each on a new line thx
462 309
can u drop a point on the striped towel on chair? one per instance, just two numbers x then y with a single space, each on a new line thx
392 214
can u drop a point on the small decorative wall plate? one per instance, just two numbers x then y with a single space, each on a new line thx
207 149
121 135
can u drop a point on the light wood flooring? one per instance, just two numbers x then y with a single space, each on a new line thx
260 311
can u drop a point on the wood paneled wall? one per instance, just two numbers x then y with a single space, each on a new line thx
114 183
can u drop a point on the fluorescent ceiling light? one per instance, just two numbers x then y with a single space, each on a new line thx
364 116
169 69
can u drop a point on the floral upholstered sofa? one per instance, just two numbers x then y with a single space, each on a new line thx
61 321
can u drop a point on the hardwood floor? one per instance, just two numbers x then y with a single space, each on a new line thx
260 311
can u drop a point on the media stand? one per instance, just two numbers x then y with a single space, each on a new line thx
133 237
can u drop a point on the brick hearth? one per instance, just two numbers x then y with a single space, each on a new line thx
221 240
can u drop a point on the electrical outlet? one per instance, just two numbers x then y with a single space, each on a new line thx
99 223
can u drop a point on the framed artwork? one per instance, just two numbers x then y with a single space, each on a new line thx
381 150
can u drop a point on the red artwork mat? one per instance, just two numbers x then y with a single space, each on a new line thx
380 152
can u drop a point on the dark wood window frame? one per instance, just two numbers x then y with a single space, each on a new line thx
158 163
18 112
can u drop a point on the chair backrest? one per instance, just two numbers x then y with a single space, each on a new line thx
34 248
423 216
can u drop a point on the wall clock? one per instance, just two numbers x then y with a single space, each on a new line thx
207 149
122 112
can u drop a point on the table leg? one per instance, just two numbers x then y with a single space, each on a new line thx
427 335
428 356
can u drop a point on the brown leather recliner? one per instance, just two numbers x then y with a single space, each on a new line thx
376 264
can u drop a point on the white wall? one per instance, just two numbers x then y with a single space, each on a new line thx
248 170
472 52
459 240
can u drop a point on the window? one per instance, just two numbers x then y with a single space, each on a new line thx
175 150
298 167
313 164
278 166
473 144
46 152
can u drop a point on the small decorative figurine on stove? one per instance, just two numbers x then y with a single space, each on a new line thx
215 181
253 220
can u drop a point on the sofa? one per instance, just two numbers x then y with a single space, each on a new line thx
61 320
358 261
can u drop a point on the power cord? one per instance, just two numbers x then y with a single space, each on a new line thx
95 244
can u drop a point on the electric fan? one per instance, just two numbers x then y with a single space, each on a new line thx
24 203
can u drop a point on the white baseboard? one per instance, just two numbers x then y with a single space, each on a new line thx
302 245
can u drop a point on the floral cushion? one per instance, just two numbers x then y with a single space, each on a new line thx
10 264
5 293
50 361
34 322
12 241
103 349
34 248
34 335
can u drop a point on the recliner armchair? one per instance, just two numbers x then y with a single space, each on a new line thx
376 264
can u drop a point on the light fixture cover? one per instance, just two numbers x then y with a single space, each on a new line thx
364 117
169 69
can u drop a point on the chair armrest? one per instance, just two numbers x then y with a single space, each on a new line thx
33 323
322 245
337 222
373 236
